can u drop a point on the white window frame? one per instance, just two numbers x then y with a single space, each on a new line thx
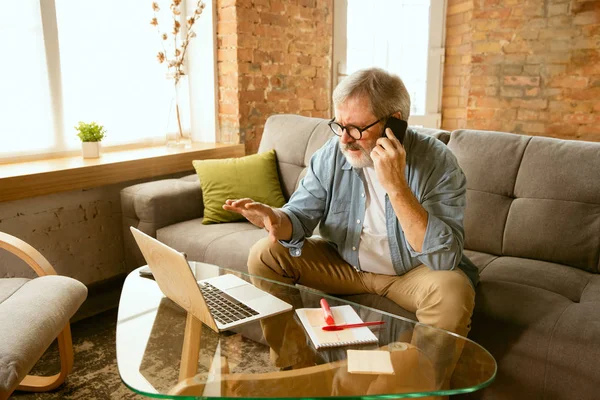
51 46
435 59
203 82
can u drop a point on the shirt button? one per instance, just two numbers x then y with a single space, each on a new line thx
362 195
358 221
353 248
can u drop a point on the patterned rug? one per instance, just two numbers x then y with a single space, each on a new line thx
95 375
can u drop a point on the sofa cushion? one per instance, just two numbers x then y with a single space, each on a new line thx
559 179
556 278
515 322
550 166
441 135
485 217
481 260
525 192
252 176
572 359
566 232
294 138
490 160
225 245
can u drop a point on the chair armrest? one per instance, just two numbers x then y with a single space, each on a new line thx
27 253
152 205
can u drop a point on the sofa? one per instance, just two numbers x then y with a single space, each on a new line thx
532 226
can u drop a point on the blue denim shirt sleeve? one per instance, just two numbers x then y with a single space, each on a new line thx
307 204
444 238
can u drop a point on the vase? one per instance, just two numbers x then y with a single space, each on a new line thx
179 132
90 149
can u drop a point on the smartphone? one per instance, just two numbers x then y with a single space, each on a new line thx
398 128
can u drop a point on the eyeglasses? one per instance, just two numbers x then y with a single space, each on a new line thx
354 131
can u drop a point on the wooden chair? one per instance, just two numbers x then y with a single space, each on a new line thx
34 312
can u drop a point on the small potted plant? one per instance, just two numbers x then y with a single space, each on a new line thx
90 134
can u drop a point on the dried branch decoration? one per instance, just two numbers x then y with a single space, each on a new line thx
176 56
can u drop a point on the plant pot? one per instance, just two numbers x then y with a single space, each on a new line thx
90 149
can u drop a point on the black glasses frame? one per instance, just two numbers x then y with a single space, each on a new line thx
346 128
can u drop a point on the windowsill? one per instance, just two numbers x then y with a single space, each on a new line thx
36 178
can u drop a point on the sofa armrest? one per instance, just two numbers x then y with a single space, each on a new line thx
150 206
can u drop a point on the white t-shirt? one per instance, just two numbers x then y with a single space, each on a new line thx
374 250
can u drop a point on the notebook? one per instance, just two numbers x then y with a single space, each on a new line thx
221 302
312 320
370 362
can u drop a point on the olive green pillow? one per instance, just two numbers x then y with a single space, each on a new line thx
252 176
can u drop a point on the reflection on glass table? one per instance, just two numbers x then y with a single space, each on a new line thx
164 352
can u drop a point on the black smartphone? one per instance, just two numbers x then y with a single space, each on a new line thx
397 126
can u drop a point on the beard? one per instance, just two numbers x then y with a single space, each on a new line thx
361 160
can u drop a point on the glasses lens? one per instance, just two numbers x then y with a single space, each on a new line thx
339 130
336 128
354 132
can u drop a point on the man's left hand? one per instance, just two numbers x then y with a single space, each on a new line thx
389 160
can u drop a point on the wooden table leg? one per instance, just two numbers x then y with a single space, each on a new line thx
191 347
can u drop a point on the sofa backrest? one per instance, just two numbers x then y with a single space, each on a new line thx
531 197
295 139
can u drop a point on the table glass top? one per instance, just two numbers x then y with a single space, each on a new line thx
164 353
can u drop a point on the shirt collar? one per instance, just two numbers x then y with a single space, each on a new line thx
346 165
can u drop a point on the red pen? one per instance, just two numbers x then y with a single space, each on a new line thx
327 313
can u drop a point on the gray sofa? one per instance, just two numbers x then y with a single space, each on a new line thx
532 226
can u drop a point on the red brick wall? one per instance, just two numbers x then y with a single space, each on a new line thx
274 56
457 69
523 66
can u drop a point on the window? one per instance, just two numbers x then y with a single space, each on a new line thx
66 61
401 36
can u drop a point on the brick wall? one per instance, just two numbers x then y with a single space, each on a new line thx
457 69
274 56
524 66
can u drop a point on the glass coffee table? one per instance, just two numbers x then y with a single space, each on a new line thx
163 352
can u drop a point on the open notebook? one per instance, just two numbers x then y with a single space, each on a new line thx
312 320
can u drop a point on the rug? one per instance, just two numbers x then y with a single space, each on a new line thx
95 375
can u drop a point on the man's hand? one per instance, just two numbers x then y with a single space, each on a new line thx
389 160
262 216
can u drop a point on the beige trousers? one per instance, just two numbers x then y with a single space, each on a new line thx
443 299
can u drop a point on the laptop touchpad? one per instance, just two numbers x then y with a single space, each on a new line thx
245 293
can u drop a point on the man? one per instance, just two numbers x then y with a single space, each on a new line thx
390 213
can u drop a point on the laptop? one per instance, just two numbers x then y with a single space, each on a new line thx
221 302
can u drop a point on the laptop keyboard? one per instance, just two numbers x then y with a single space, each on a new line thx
223 307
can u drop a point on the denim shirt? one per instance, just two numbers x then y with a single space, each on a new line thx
332 194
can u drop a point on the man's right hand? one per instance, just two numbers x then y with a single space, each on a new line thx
263 216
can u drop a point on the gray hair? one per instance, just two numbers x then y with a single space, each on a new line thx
386 92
